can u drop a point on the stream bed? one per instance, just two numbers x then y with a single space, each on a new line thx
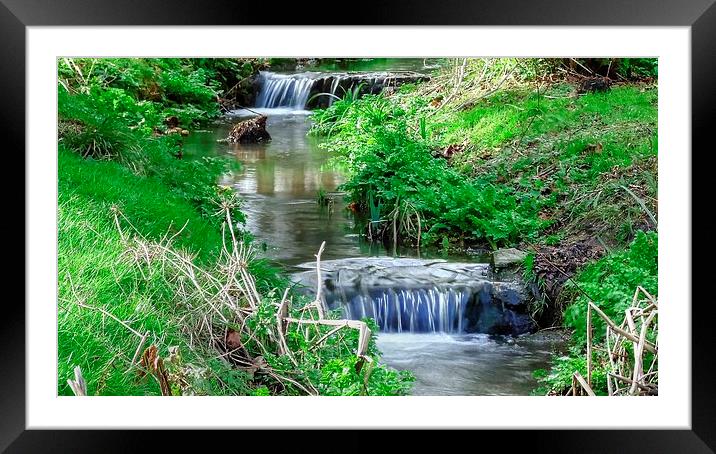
426 323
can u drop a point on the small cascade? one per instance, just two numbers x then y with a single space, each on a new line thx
334 89
298 91
422 310
280 90
420 296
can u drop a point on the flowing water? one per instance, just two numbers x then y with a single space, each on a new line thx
434 311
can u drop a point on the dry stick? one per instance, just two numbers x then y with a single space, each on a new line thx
420 231
583 383
652 300
139 348
647 345
628 317
369 370
278 377
631 382
577 62
611 362
638 366
326 336
458 81
497 87
589 345
319 283
281 314
395 228
573 391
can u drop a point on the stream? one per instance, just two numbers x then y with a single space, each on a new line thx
448 319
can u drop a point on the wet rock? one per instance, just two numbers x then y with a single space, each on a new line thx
251 130
504 258
413 295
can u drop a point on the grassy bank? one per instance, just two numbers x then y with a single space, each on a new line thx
515 153
159 291
95 271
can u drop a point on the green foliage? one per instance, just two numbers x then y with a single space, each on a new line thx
559 378
390 160
181 87
105 115
528 267
638 67
611 283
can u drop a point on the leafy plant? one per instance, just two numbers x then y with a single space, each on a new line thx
611 282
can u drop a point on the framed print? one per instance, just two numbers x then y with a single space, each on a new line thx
384 223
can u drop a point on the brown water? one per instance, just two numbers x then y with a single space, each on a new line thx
278 184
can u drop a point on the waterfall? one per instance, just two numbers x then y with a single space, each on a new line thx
334 88
284 90
426 310
293 91
422 296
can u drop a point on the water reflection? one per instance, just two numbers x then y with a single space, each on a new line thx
279 183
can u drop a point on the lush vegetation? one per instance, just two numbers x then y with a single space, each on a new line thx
128 205
504 170
526 153
611 282
556 157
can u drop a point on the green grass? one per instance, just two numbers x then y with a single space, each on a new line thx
531 163
152 208
509 114
93 268
98 275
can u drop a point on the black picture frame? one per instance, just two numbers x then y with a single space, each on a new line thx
700 15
